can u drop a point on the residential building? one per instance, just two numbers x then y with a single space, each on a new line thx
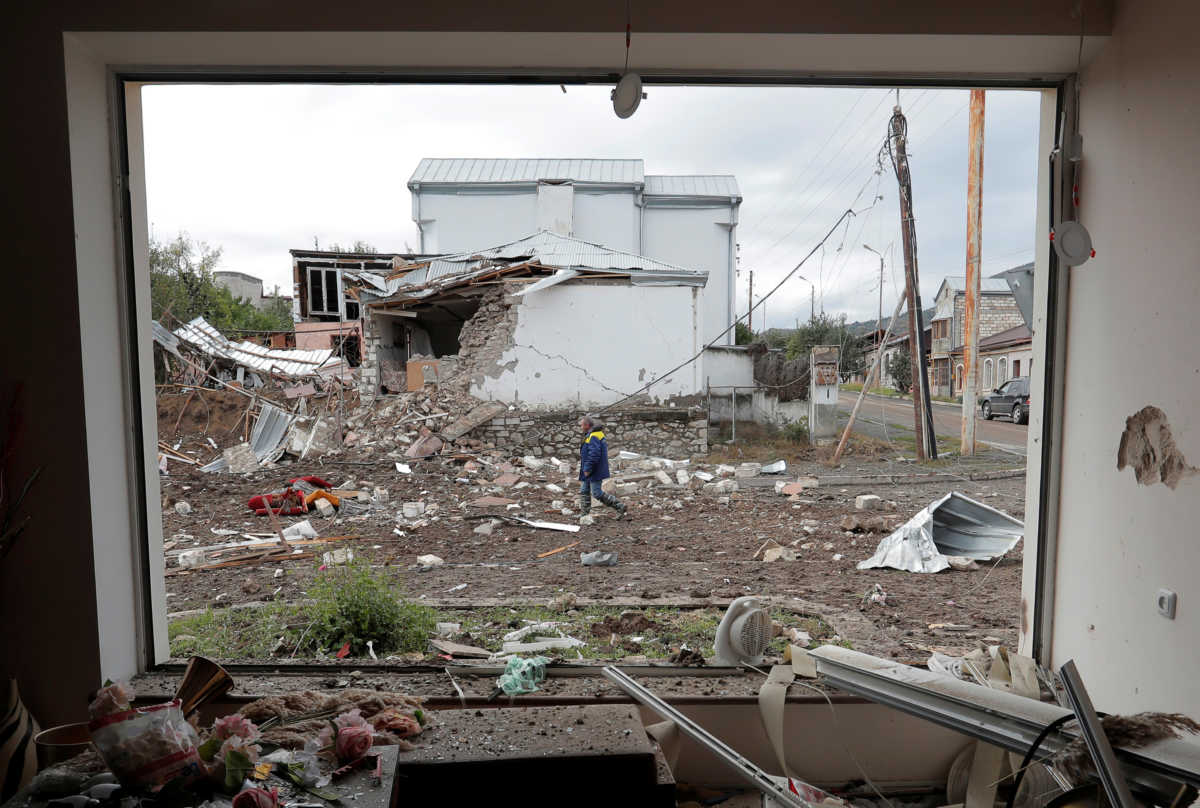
1002 356
688 220
998 311
246 287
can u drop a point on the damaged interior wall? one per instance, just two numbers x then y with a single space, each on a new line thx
587 344
1132 323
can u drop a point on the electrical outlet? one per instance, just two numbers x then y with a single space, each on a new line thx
1166 603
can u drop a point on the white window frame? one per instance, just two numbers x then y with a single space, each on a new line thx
339 307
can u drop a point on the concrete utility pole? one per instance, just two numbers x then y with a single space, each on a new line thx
750 316
971 306
922 411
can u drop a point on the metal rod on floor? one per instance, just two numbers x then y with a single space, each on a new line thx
1097 742
742 765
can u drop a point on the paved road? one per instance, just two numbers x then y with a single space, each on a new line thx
947 422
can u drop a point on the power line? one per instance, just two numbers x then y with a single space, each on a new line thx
846 215
812 160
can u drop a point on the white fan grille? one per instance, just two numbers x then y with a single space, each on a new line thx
755 632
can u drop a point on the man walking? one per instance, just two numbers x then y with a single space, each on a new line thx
593 469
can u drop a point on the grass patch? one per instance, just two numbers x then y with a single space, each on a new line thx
856 387
275 630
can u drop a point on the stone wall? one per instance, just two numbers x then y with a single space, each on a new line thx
666 432
997 313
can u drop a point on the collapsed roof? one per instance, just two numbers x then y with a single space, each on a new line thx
561 258
288 362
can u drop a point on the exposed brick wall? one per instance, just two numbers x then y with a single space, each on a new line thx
997 313
667 432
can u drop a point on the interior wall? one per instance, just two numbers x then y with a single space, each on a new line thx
1132 335
573 344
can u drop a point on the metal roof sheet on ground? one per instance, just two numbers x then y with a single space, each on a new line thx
266 439
709 185
954 525
284 361
550 250
164 337
473 170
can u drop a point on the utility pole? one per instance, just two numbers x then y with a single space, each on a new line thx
812 317
879 320
750 316
922 411
974 238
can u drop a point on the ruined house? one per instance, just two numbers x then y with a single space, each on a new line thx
546 322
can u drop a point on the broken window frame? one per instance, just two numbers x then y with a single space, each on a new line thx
1052 316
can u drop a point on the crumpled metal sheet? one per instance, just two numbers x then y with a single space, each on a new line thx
290 362
266 438
954 525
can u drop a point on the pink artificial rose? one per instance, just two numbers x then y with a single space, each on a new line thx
235 726
396 722
352 743
256 798
352 718
114 698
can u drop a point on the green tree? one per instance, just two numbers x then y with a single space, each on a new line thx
899 367
359 246
742 334
825 329
181 283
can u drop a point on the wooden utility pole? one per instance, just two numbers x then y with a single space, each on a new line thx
812 317
750 316
922 411
876 370
971 306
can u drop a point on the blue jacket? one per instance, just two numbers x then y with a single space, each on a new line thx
593 458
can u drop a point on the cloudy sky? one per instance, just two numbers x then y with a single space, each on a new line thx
258 170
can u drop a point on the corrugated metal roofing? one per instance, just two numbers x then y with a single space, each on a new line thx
722 185
462 170
550 250
958 283
286 361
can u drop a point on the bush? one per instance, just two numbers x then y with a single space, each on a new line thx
353 604
797 431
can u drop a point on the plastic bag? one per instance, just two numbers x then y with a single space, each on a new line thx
522 675
147 746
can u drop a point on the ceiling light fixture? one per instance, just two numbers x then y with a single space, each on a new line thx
627 95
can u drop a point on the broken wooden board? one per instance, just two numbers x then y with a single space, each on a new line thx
477 416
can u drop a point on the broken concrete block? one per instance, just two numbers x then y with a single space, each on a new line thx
429 561
300 530
558 504
342 555
554 489
487 528
279 572
724 470
324 507
703 476
587 519
412 510
867 502
492 502
191 558
447 629
598 558
800 484
241 459
507 479
532 463
662 477
779 486
864 524
182 508
779 554
424 446
380 495
682 477
747 470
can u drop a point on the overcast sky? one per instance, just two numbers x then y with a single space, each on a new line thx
260 169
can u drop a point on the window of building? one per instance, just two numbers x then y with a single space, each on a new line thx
988 381
1016 368
1002 370
352 309
322 291
958 377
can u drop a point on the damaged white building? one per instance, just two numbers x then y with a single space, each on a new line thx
546 321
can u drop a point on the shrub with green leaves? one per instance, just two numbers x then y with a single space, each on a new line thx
353 604
797 431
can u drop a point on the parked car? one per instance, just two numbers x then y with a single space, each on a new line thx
1010 398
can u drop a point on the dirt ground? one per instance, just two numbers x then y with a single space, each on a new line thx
682 546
